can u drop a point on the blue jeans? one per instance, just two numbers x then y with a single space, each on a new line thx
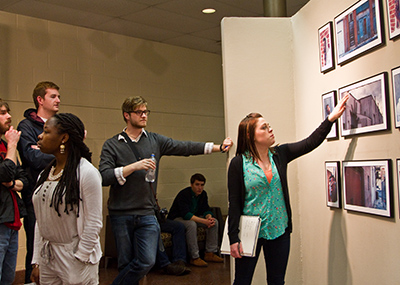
8 254
137 239
276 255
178 232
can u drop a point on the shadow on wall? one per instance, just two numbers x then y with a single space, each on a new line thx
36 31
147 55
351 149
338 261
339 271
104 44
4 63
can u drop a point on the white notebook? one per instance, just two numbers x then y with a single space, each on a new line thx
249 227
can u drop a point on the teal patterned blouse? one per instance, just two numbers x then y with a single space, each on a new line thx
264 199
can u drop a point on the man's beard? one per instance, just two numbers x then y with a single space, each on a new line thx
139 125
4 127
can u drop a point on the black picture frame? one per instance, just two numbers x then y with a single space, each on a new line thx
393 18
332 184
326 48
358 30
396 95
328 103
367 187
366 110
398 180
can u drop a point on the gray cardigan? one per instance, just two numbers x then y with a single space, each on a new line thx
136 197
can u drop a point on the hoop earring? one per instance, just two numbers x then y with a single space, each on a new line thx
62 148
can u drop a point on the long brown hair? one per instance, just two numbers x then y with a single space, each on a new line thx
246 142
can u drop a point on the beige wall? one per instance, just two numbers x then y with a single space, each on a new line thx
339 246
329 246
258 67
97 71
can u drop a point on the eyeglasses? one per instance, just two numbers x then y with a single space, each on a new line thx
140 112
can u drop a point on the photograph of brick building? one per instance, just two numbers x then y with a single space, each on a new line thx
366 186
362 112
366 107
358 30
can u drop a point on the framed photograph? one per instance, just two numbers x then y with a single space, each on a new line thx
393 11
332 184
358 30
398 178
396 95
366 187
366 109
328 103
326 59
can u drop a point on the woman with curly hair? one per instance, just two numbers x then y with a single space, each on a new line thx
68 207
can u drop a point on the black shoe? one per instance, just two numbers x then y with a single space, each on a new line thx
174 269
182 263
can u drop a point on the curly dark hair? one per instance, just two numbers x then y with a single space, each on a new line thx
68 185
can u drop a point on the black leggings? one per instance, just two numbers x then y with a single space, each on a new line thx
276 255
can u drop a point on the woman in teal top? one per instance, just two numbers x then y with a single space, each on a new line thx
257 183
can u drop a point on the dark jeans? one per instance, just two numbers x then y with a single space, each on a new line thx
8 254
137 240
29 226
177 230
276 255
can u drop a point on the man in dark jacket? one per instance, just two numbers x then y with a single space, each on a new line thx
191 208
47 100
12 179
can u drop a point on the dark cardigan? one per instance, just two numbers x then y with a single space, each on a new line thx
283 155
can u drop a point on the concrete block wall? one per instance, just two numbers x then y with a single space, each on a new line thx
96 71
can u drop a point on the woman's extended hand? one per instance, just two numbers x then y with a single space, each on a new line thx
339 108
236 250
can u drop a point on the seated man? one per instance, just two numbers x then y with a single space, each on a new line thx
191 208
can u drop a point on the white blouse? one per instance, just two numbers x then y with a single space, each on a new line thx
62 229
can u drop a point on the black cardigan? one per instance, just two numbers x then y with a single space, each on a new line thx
283 155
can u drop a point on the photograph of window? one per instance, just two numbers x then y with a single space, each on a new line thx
358 30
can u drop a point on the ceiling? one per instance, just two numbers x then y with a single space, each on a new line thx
174 22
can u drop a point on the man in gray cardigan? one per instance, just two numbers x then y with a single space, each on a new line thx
132 200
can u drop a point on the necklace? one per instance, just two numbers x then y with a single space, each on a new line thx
53 177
